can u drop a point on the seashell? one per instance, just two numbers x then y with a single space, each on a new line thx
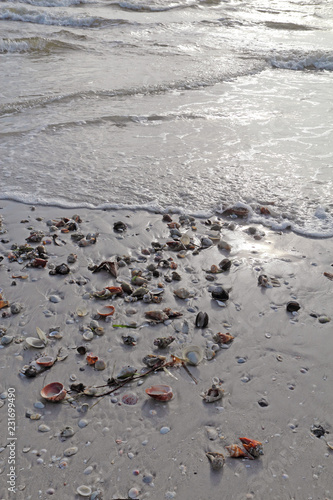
185 239
127 288
293 306
223 245
35 343
106 311
222 338
129 339
115 290
182 293
140 292
225 264
91 359
69 452
41 334
160 392
219 293
126 372
84 491
45 361
215 393
139 281
157 315
151 360
129 398
81 350
263 280
252 446
119 227
54 391
217 460
236 451
67 432
163 342
201 321
193 354
156 291
172 314
81 312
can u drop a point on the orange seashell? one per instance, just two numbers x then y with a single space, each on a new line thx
45 361
160 392
116 290
91 359
106 311
223 338
236 451
53 392
264 211
4 303
215 269
252 446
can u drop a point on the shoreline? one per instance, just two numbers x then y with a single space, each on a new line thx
285 360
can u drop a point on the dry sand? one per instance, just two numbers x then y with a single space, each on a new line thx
288 362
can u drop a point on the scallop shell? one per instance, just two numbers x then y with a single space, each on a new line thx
193 354
160 392
35 343
54 391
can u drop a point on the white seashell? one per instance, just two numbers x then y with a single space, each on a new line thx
84 491
71 451
193 354
34 342
41 334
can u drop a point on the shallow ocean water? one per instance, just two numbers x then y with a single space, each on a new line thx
188 105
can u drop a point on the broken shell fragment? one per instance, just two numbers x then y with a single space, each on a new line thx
160 392
151 360
215 393
222 338
163 342
201 321
91 359
157 315
252 446
193 354
217 460
236 451
54 391
126 372
182 293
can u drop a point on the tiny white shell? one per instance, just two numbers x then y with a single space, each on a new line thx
84 491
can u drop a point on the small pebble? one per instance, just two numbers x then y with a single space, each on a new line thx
324 319
82 423
55 299
69 452
241 360
39 405
88 470
44 428
50 491
164 430
133 493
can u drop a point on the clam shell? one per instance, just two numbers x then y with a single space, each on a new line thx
84 491
201 321
160 392
106 311
35 343
45 361
54 391
193 354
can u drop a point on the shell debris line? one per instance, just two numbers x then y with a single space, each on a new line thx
131 333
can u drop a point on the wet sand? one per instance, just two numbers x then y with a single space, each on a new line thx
277 357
